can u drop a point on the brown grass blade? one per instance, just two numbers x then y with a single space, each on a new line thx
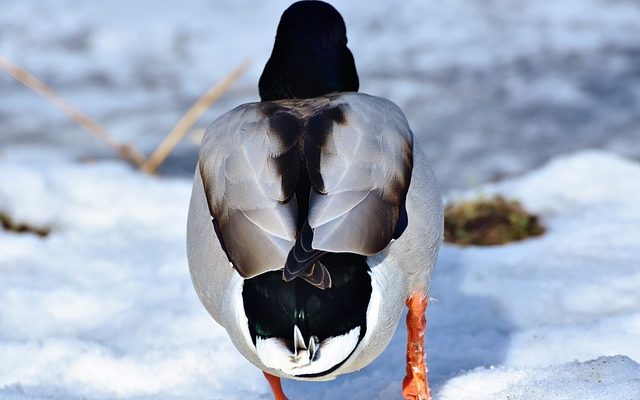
23 76
194 113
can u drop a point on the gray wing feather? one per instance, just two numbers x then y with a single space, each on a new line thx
365 229
366 168
243 189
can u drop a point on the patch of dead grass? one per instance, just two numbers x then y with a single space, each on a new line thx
489 221
9 224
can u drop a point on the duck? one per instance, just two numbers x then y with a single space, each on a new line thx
314 218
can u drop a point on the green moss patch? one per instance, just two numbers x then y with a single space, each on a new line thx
487 222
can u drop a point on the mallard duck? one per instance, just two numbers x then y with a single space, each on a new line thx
314 218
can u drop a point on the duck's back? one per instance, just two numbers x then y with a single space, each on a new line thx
288 181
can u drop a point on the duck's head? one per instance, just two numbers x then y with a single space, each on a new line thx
310 57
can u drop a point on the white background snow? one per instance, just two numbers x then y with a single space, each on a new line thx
104 308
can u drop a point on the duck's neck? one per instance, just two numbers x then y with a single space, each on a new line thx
308 69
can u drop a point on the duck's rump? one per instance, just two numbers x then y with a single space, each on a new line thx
273 306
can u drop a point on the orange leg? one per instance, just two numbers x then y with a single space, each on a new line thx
276 386
415 385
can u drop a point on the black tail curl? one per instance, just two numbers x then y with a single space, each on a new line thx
304 262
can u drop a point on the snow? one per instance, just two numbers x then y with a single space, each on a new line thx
104 307
603 378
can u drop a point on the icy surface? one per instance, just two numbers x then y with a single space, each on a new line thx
104 308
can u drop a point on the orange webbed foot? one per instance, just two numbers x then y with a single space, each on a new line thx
415 385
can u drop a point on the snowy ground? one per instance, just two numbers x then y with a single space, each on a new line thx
104 308
491 87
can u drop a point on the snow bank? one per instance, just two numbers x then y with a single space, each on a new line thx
104 307
604 378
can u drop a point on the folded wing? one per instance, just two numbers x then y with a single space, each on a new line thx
365 164
252 209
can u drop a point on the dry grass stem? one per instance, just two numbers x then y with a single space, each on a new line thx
23 76
191 117
125 151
